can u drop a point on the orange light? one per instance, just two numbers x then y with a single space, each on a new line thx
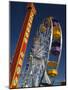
27 34
20 61
25 39
22 54
14 83
18 69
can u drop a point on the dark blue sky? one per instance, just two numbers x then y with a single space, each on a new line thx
17 14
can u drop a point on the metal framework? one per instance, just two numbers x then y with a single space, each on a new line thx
41 69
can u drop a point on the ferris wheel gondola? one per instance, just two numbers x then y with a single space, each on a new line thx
56 49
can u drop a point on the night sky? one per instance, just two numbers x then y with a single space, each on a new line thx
17 14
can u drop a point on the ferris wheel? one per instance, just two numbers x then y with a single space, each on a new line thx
54 37
44 58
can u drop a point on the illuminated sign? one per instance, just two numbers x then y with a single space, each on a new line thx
19 60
